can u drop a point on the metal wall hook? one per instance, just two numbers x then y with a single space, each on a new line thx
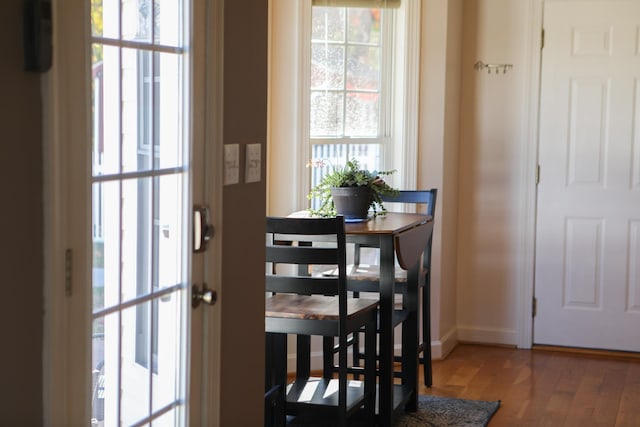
497 68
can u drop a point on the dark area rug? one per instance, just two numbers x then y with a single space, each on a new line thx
433 411
444 411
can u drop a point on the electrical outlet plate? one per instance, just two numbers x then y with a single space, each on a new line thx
253 160
231 164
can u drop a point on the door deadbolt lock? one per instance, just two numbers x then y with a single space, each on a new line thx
202 230
204 295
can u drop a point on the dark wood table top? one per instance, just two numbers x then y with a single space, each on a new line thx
403 227
392 222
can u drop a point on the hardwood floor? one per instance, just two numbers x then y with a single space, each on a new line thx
542 388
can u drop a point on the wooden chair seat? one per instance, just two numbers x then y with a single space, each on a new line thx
314 307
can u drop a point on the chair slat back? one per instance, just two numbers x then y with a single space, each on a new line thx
421 197
300 254
302 243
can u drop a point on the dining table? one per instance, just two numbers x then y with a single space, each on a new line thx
401 238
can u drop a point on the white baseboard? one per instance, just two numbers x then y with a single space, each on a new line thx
441 348
487 335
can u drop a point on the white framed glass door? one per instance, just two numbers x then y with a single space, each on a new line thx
141 177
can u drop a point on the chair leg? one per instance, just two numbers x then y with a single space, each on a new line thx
274 411
327 357
275 380
303 356
370 371
355 339
342 381
426 332
356 355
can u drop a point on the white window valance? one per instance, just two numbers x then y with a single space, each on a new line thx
357 3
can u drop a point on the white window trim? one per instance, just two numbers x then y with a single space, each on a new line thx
289 80
305 100
408 72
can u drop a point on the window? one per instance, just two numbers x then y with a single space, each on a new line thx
343 85
349 94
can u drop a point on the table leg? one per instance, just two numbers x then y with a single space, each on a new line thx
387 285
410 338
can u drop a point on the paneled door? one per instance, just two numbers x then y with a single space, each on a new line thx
587 281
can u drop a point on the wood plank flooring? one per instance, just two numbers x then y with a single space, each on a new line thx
542 387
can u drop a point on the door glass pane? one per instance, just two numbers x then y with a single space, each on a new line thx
140 213
106 245
151 105
137 234
153 21
105 18
168 224
135 371
98 374
106 109
137 19
166 347
169 30
105 380
166 420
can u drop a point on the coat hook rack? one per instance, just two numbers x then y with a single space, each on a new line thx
497 68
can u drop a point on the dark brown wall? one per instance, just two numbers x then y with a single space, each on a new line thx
21 246
242 296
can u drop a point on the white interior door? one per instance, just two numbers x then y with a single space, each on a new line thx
587 281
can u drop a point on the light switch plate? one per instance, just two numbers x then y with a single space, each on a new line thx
253 159
231 164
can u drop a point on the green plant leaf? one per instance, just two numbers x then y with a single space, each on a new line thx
350 175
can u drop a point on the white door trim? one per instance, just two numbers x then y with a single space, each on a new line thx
66 172
528 187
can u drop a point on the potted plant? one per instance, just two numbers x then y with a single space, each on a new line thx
352 192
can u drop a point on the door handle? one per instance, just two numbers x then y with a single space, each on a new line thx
202 295
202 230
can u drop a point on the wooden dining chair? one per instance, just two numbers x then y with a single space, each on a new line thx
365 278
305 305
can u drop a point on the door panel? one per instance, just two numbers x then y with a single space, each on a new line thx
588 196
